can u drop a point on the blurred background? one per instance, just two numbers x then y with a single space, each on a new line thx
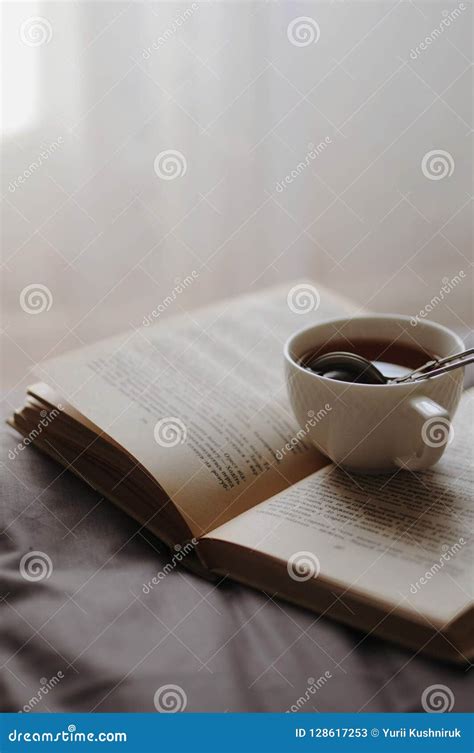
216 148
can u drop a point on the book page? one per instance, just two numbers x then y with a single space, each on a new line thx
405 539
200 400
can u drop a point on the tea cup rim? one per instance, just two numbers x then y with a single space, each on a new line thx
424 323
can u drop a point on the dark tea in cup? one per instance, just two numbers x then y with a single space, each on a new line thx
391 357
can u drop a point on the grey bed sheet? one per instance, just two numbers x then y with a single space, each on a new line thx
88 638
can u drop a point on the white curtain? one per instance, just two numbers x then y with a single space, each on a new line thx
294 134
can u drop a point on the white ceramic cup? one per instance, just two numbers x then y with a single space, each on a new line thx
375 428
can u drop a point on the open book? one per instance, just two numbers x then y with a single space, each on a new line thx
185 425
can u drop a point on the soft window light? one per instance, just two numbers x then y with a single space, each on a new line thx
20 53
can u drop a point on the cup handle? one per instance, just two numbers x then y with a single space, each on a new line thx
433 430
